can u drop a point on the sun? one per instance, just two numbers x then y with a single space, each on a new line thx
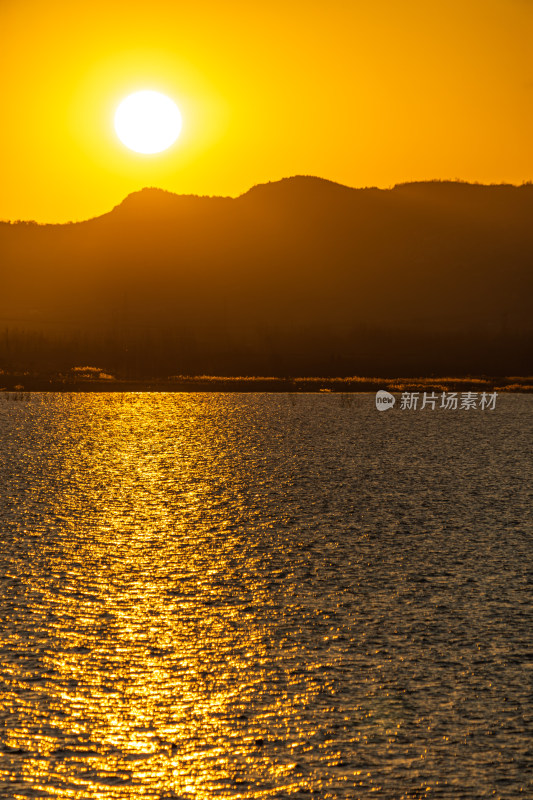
147 122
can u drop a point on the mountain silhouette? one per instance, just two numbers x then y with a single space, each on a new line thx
299 276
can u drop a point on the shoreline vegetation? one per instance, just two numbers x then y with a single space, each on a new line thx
91 379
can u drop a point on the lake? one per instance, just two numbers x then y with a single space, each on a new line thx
264 596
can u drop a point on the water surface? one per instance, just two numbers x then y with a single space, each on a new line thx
263 596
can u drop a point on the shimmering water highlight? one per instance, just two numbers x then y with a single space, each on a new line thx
263 596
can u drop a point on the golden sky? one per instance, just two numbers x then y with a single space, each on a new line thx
364 93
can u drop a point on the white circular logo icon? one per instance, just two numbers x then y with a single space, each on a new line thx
384 400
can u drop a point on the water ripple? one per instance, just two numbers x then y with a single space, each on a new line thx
263 596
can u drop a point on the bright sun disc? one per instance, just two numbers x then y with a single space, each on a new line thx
147 122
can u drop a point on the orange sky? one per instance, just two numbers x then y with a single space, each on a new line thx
364 93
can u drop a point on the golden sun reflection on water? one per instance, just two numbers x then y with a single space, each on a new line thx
196 603
145 648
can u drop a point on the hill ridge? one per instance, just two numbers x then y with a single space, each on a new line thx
299 181
300 275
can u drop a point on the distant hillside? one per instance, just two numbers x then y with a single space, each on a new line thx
293 277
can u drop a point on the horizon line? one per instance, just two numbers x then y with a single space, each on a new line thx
456 181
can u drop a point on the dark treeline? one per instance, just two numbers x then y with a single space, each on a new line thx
157 354
293 278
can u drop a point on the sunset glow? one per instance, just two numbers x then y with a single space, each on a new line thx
231 235
365 95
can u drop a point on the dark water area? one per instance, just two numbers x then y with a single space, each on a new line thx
264 596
